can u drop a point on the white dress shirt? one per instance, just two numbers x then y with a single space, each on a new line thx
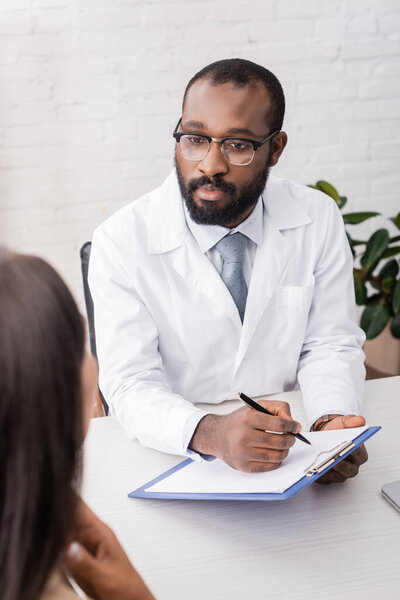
207 236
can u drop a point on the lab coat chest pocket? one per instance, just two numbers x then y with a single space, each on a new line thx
292 307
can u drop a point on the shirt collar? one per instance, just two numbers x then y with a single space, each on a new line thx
209 235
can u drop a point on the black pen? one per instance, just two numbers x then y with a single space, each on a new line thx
260 408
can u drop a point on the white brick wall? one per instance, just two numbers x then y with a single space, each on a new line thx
85 83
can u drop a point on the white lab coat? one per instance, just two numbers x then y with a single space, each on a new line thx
169 334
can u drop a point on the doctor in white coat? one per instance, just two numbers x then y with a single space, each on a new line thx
177 324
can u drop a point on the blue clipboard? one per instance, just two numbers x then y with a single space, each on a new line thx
306 480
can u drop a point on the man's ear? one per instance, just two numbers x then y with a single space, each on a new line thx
278 145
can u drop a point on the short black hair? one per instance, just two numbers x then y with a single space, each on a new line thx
241 72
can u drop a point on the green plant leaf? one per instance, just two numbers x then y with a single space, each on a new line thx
329 190
358 217
342 201
376 246
370 272
396 298
374 319
389 270
391 252
360 291
395 326
388 284
396 220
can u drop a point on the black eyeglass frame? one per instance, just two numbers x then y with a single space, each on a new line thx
256 144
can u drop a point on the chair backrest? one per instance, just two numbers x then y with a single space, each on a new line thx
85 256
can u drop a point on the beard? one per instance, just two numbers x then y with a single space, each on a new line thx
240 201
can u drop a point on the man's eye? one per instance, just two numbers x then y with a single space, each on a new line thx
237 146
196 140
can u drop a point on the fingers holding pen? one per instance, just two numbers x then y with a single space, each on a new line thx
280 421
279 408
265 451
262 439
259 460
247 439
255 442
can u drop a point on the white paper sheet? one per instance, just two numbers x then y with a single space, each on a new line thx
217 477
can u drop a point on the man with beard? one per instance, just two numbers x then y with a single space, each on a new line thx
224 280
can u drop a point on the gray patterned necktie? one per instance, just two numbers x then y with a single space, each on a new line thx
231 249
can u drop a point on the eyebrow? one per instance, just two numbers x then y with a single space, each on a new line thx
194 124
233 130
238 130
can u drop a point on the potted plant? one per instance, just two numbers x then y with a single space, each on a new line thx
376 278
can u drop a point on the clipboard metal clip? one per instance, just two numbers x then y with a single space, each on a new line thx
333 455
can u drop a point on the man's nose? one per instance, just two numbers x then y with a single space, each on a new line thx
214 163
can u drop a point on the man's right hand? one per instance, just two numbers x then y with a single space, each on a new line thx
242 438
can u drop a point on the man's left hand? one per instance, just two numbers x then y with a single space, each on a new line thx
349 466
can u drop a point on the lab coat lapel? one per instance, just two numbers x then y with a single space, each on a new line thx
196 269
169 236
281 212
270 261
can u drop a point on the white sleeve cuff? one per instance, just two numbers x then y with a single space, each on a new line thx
190 427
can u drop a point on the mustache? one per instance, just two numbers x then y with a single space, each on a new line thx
213 184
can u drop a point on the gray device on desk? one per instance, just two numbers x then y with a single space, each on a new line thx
391 491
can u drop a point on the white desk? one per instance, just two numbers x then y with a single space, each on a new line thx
335 542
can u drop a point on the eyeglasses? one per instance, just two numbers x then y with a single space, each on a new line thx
237 151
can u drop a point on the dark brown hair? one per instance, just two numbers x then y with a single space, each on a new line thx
241 72
41 429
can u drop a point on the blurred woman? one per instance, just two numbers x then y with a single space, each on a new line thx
47 386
